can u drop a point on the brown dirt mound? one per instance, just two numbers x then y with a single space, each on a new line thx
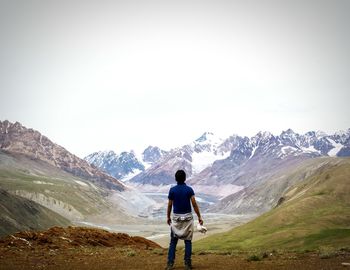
58 237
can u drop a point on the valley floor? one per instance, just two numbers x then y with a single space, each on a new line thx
158 231
134 258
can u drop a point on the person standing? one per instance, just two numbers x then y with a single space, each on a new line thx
181 225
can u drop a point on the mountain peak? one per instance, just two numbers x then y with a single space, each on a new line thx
342 132
264 134
205 137
19 139
288 131
310 134
6 125
108 153
152 154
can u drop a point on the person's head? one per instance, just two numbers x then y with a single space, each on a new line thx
180 176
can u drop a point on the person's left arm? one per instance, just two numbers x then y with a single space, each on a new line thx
196 209
170 206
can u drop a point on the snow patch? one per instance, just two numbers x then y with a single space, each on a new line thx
208 138
310 149
147 165
253 152
204 159
287 149
139 158
334 151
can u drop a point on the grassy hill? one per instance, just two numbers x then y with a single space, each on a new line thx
39 181
69 196
19 214
313 213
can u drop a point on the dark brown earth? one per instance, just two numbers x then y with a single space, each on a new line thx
65 238
87 248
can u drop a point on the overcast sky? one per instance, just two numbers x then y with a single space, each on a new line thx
121 75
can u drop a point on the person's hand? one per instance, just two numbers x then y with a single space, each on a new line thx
200 220
169 221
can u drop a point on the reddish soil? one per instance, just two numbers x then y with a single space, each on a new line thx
61 238
86 248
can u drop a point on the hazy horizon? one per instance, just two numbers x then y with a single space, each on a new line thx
122 75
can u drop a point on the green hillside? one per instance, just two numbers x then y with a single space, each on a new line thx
312 214
70 196
19 214
73 198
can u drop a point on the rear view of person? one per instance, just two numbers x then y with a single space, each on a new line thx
181 225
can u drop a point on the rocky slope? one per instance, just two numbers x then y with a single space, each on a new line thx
16 138
312 212
19 214
69 196
263 194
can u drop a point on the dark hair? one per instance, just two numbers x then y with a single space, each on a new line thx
180 176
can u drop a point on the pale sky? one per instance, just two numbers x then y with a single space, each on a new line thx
122 75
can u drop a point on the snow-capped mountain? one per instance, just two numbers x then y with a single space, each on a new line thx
205 150
341 141
239 161
261 157
126 164
122 166
231 163
193 158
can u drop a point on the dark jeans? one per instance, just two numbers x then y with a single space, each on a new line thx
172 249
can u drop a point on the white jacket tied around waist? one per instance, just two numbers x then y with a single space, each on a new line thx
182 226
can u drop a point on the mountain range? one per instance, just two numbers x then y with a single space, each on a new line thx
125 165
233 163
42 184
244 175
236 175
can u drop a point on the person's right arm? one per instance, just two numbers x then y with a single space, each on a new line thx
170 205
196 209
